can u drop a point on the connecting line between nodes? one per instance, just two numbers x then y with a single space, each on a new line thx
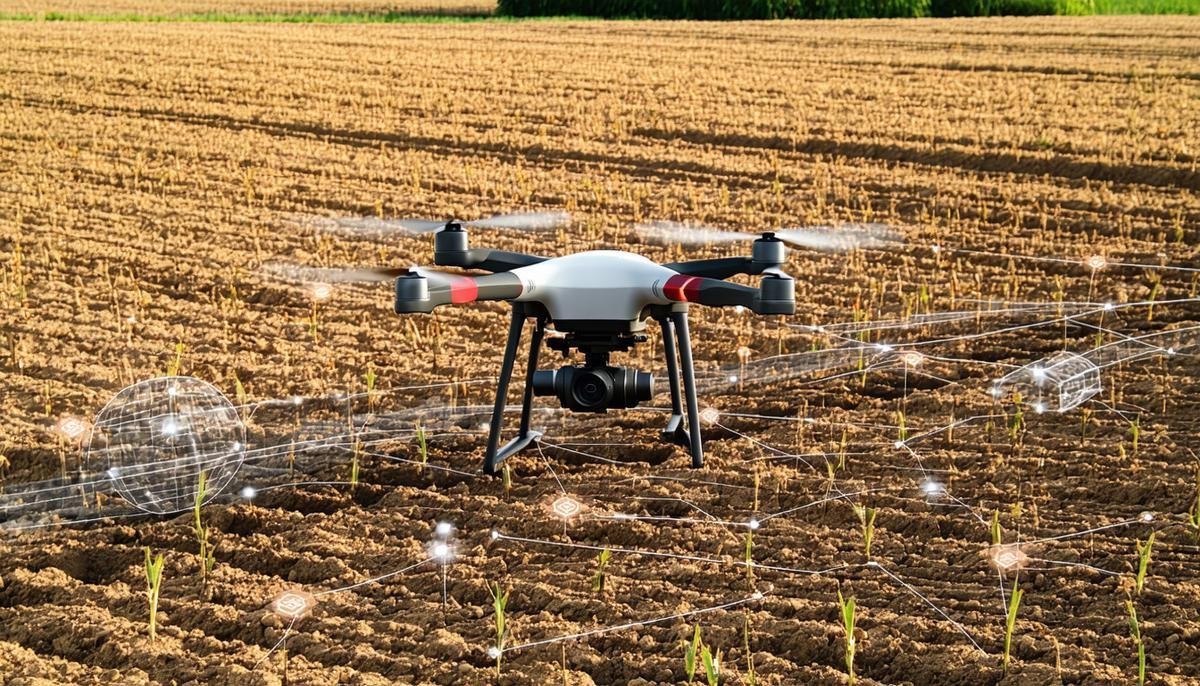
757 595
375 579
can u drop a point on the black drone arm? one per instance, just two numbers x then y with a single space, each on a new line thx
768 252
776 295
485 258
423 291
720 268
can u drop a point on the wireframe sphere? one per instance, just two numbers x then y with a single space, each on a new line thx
156 437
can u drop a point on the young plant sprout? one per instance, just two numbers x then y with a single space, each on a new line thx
1135 632
599 577
175 366
499 603
1135 433
370 378
751 676
848 610
691 655
422 449
354 464
1010 622
996 531
1143 551
153 568
866 516
1193 515
207 549
712 665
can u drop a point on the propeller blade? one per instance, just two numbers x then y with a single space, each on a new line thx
668 233
525 221
301 274
373 226
840 237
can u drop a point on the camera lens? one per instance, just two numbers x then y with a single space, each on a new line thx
591 389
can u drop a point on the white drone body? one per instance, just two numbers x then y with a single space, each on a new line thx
599 285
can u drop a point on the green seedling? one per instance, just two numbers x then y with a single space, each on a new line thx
866 515
207 549
1014 602
499 603
1193 515
506 474
354 464
1135 433
848 609
749 555
712 665
691 656
154 568
1018 421
370 377
422 448
601 565
175 366
751 675
1143 551
1135 631
996 531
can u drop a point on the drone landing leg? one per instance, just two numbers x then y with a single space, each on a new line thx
679 319
495 456
674 432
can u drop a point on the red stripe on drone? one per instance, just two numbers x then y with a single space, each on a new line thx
463 290
683 288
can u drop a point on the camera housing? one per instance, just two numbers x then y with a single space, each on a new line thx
594 388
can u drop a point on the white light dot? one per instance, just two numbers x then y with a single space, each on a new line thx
1039 407
1170 351
935 248
898 444
733 378
883 347
444 529
237 445
996 391
1108 307
932 488
495 534
873 563
485 427
296 400
113 473
1038 373
493 652
249 492
738 309
1146 517
757 595
441 551
170 427
753 524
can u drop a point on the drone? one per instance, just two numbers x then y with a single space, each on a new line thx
599 302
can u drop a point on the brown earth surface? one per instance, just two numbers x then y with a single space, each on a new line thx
147 173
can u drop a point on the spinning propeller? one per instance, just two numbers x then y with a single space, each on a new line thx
520 221
821 237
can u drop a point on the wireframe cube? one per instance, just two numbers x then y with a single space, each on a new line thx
1058 382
